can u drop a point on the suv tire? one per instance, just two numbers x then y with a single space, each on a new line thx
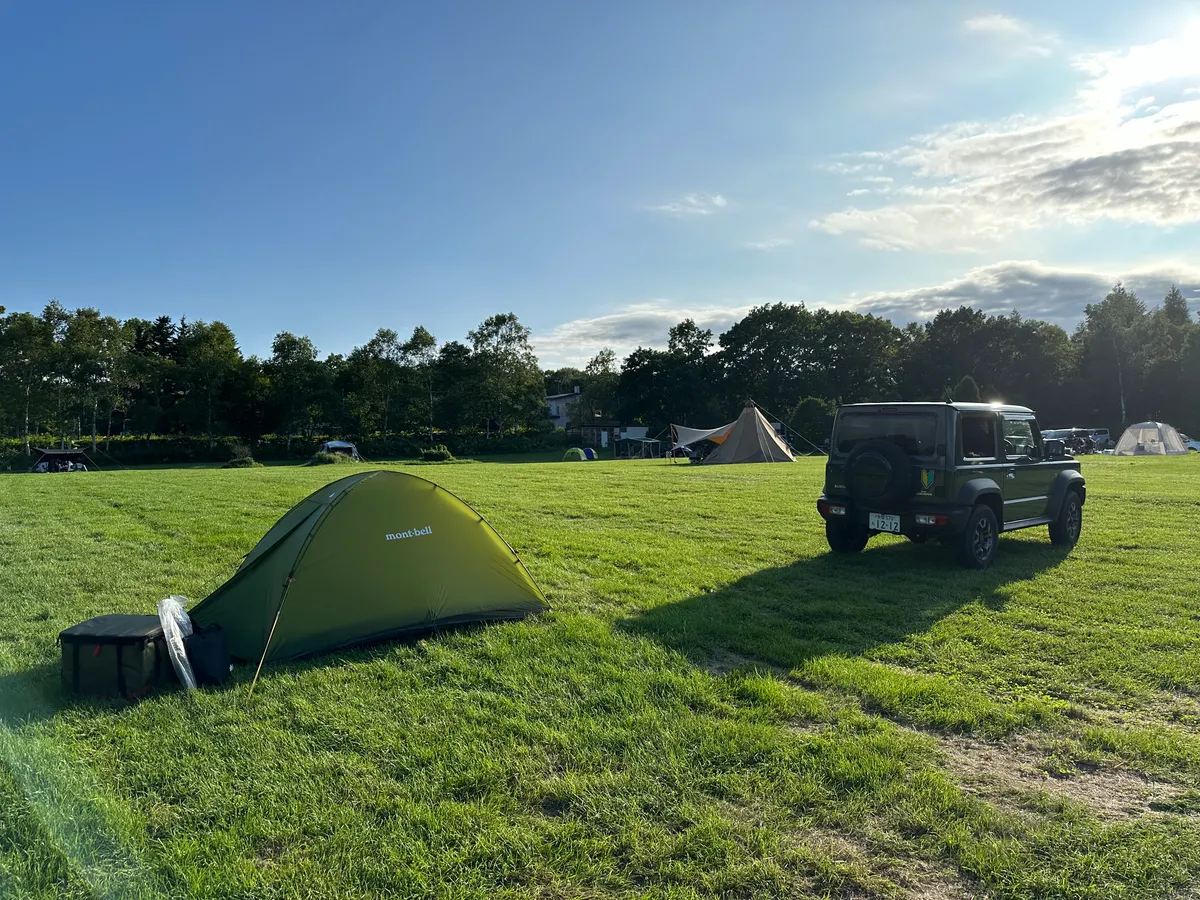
1064 531
978 543
879 472
846 537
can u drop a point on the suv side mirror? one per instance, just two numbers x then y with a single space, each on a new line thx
1055 449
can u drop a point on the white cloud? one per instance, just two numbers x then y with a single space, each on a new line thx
1036 290
995 23
857 192
768 244
1020 36
633 326
690 205
971 184
1116 74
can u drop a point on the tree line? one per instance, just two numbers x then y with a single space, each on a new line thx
80 375
1125 362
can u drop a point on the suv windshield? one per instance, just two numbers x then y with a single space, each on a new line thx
916 433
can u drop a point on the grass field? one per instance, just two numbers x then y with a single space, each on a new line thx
714 708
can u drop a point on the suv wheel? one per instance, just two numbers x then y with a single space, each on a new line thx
1065 530
845 537
978 544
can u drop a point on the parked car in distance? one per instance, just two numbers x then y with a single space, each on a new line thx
1192 445
1101 437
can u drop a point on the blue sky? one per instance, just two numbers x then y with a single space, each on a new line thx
600 169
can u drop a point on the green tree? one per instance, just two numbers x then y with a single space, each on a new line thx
292 370
769 356
1175 308
92 348
1111 339
966 391
564 380
456 375
420 355
812 419
383 353
511 384
598 397
209 360
27 364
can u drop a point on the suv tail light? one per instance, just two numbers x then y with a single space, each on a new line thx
831 509
924 519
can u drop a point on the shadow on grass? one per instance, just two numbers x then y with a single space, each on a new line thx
833 604
30 695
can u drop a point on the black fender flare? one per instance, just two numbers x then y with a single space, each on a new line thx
973 490
1067 480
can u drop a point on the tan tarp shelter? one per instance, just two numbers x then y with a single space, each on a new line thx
750 440
1150 439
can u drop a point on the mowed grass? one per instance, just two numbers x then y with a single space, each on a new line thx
715 707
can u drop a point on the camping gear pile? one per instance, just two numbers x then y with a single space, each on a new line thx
372 556
114 656
127 656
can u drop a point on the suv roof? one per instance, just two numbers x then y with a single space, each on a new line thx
966 407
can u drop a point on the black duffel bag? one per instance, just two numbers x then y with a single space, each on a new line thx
115 656
208 653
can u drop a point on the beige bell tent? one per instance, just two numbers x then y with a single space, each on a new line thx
750 440
1150 439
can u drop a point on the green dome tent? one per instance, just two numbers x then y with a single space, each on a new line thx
371 556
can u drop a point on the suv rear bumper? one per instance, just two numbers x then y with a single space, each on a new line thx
947 520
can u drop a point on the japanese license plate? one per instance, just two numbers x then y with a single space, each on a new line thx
880 522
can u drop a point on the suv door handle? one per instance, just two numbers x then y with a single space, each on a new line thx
1011 475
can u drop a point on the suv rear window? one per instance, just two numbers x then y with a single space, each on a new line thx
916 433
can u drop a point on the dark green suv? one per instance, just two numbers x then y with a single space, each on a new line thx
959 472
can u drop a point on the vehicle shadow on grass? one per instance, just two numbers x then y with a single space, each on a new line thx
834 604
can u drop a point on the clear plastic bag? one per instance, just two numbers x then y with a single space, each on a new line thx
177 625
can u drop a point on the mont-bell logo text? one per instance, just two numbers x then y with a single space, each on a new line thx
412 532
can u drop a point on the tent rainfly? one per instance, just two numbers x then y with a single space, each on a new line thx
1150 439
369 557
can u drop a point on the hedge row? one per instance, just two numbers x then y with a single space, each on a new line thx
178 449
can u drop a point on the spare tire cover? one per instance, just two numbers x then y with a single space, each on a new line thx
879 472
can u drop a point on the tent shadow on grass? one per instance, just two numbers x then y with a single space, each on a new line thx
30 695
36 694
832 604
